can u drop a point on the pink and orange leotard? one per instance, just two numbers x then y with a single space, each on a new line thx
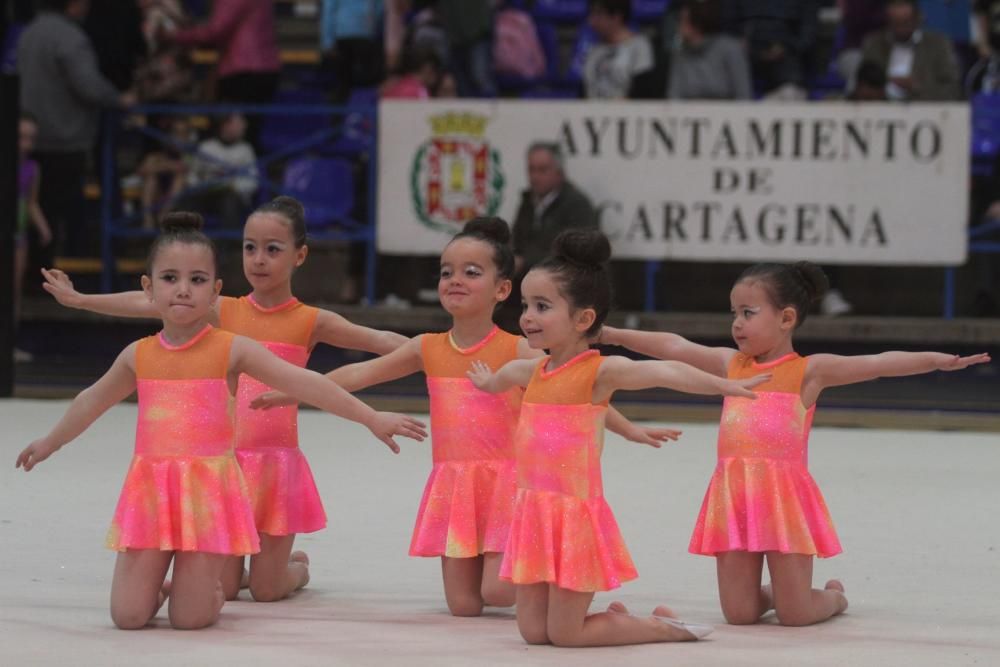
761 496
563 531
184 490
282 489
466 507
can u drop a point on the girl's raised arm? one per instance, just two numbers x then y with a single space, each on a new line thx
255 360
515 373
621 373
404 360
113 387
119 304
663 345
654 436
334 329
833 370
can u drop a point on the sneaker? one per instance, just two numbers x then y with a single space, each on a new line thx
22 356
835 304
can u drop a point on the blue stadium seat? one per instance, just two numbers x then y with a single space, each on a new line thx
649 11
278 131
560 11
357 132
325 186
585 39
985 133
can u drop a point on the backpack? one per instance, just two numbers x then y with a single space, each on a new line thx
516 49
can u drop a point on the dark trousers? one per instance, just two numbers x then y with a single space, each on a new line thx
355 62
61 197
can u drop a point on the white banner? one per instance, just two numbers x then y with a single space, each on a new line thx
827 182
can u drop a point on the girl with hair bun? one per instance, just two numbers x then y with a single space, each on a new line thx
564 542
465 513
282 490
762 501
184 499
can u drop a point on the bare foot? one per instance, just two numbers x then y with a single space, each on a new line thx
664 612
617 607
302 558
836 585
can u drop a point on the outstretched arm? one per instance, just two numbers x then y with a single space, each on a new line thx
404 360
621 373
644 435
120 304
515 373
334 329
833 370
255 360
113 387
663 345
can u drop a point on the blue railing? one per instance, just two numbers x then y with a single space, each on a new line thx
353 135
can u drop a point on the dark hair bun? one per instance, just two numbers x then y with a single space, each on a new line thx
495 229
179 222
292 205
584 247
813 280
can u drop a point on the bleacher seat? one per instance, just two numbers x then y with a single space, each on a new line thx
560 11
325 186
586 38
280 131
357 132
649 11
985 133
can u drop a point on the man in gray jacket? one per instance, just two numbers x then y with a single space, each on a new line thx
919 64
63 89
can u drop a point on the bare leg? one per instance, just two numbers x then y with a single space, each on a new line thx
196 596
496 591
533 612
276 572
795 600
568 624
463 584
136 586
743 599
233 574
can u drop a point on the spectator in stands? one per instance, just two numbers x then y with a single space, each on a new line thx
468 25
249 63
62 88
421 75
167 74
30 217
223 175
115 30
707 65
780 35
619 57
550 205
858 19
869 83
164 171
984 76
349 32
920 64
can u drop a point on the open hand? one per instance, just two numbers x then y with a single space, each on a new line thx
480 374
742 387
387 424
957 363
34 454
653 436
271 399
61 287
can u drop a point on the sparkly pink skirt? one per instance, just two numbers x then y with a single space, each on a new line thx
466 509
282 490
568 541
763 504
180 503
